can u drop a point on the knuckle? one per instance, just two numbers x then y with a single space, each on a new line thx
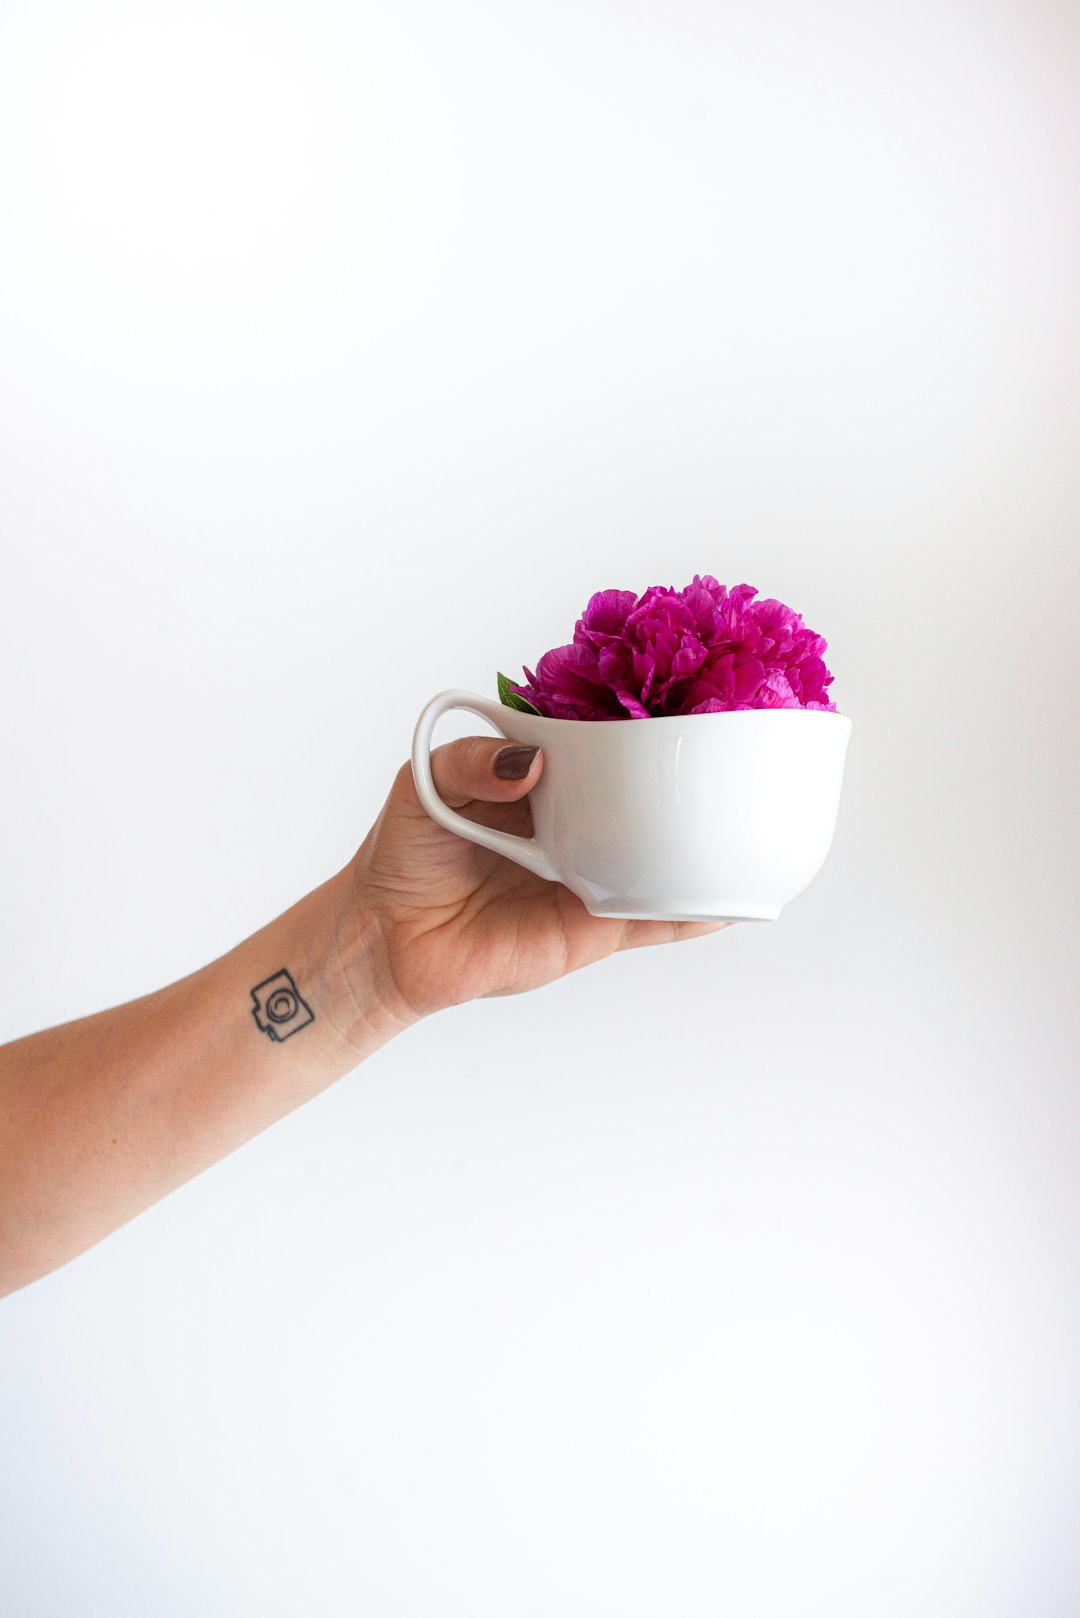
458 769
403 780
467 757
403 795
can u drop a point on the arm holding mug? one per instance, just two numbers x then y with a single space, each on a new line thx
101 1117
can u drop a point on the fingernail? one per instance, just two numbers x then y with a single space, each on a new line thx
514 763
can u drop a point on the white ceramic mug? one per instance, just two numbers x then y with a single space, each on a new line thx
701 817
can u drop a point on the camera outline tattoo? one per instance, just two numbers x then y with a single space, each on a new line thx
280 1009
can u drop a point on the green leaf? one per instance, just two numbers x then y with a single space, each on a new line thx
514 699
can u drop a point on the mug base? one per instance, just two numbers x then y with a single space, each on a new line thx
625 909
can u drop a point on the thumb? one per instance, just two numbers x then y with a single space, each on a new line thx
485 768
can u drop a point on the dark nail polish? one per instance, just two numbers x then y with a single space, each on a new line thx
514 763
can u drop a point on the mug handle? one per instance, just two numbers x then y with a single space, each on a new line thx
524 851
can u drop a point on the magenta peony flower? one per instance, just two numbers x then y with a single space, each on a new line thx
704 649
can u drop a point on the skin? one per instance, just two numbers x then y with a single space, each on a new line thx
102 1116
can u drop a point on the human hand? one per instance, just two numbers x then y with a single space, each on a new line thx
102 1116
456 921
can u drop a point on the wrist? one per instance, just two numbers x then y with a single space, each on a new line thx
333 951
367 1007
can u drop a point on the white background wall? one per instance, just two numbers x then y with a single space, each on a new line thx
344 351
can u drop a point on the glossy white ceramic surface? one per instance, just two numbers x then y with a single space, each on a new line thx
702 817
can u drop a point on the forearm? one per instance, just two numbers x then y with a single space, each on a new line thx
101 1117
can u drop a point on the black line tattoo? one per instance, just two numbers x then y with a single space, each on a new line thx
280 1009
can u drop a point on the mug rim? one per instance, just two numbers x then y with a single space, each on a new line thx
677 718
